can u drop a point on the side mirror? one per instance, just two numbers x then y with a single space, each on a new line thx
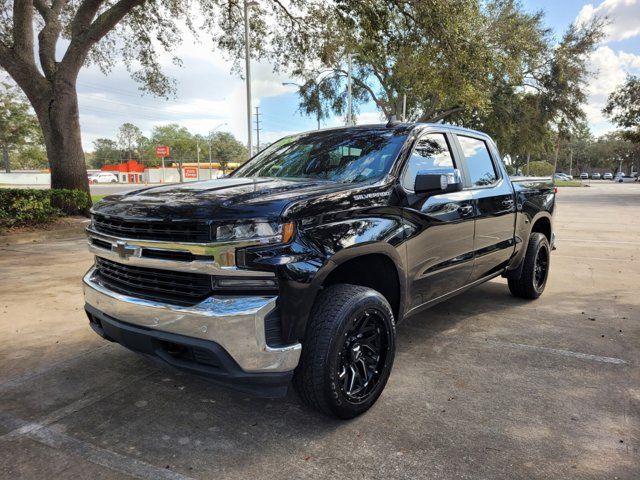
438 181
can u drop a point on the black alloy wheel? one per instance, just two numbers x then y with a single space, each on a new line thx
347 352
362 356
534 271
541 269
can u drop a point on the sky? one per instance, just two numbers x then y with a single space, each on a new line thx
209 96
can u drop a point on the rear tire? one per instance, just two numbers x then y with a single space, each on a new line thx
535 270
348 351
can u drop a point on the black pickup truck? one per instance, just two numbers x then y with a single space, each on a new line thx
300 264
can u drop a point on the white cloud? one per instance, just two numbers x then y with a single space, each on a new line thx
610 69
208 94
624 16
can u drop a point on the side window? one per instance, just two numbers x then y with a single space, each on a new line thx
431 152
481 168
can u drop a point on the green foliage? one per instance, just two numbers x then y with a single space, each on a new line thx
129 138
28 207
540 169
70 202
18 125
105 152
511 170
184 145
225 147
623 107
31 156
181 141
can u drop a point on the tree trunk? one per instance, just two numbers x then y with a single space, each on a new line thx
60 122
5 157
557 152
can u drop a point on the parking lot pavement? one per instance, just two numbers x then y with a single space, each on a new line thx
485 386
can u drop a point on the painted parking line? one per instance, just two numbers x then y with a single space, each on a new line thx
40 432
91 453
589 258
18 379
581 240
74 407
557 351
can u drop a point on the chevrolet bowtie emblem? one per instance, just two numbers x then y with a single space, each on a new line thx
123 250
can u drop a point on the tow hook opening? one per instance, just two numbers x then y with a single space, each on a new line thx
189 354
96 325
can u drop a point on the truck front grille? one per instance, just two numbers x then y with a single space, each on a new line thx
178 288
194 232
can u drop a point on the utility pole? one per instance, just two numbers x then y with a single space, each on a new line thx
528 158
198 155
349 100
247 65
257 128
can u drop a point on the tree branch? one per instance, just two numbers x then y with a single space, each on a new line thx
292 17
87 37
442 115
374 97
43 8
25 75
48 36
84 16
23 30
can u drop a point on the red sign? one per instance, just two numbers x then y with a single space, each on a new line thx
190 172
162 151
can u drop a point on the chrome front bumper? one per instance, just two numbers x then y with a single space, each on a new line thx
236 323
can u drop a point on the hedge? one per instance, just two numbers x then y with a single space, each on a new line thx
540 169
24 207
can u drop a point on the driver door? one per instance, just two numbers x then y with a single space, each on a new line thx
440 249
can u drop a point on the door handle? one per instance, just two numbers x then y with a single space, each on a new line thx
465 210
507 203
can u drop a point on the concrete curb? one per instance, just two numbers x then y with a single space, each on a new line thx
72 227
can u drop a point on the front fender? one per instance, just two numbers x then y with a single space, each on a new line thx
303 265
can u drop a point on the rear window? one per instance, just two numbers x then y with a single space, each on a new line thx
481 168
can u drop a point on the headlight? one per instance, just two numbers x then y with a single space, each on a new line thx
266 231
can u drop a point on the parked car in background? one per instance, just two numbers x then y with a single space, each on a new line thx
559 177
584 176
621 177
608 176
595 176
103 177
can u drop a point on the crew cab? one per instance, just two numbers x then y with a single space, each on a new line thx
300 265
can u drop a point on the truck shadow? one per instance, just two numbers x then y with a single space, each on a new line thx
168 418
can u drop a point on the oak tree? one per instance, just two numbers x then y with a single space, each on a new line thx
133 32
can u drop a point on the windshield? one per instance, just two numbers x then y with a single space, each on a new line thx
348 156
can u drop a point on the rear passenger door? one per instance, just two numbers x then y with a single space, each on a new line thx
494 205
440 250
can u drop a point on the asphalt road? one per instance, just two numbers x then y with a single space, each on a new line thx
485 386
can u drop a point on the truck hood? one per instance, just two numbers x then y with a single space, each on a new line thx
221 199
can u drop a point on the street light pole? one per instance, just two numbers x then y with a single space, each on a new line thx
247 61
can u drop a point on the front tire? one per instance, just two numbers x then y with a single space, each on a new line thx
535 270
348 351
